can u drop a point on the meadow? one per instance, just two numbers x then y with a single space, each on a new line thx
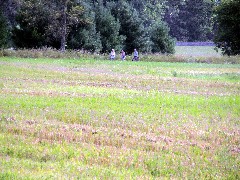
197 51
91 118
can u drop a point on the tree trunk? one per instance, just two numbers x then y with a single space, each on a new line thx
64 26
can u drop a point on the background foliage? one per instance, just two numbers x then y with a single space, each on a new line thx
3 31
100 25
228 22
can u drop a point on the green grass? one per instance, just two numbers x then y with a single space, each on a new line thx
187 54
205 51
98 119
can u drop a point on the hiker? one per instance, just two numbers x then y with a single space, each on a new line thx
123 55
135 55
112 55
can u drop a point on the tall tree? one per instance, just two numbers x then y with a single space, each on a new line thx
106 24
46 23
83 35
228 27
8 11
31 24
63 24
109 28
131 26
190 20
162 42
3 31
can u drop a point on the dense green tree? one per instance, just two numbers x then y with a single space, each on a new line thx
4 33
175 20
85 38
199 22
46 23
162 42
228 27
65 16
131 26
83 35
32 21
109 28
8 11
100 25
149 11
190 20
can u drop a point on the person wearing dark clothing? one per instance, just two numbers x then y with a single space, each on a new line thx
123 55
135 55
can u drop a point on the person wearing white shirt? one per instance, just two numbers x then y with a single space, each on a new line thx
112 55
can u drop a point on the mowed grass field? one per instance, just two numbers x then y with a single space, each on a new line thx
99 119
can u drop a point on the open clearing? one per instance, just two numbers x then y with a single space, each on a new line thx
78 119
197 51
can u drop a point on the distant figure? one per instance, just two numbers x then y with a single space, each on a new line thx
123 55
112 55
135 55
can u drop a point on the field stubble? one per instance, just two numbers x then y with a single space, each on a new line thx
100 119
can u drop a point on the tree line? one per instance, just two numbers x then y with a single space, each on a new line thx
102 25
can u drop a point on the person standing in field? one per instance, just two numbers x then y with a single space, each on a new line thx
112 55
135 55
123 55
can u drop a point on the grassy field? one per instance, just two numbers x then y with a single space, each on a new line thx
197 51
98 119
184 54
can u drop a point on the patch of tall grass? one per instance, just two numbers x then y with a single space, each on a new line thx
183 55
